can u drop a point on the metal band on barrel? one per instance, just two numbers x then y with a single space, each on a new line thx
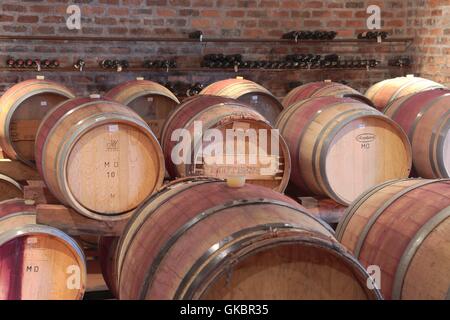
324 148
189 288
148 279
72 138
14 107
438 136
303 133
380 211
142 213
186 289
349 213
412 248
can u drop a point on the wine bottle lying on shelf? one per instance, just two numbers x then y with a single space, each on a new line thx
310 35
402 62
373 35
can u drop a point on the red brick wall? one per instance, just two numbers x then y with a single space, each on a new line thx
227 18
429 22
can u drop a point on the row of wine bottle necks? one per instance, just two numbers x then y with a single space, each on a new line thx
181 88
290 61
107 64
31 63
330 35
230 61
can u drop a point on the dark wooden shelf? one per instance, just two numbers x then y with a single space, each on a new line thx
205 40
193 69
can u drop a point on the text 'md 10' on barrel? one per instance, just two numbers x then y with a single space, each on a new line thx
98 157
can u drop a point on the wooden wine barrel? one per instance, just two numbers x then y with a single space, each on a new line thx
37 262
150 100
404 228
15 213
251 93
270 169
340 147
385 92
22 108
9 188
425 117
323 89
217 242
107 253
99 157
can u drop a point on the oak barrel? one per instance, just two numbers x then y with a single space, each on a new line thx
404 228
386 91
152 101
249 92
269 167
201 239
322 89
9 188
37 262
107 247
425 117
22 108
99 157
340 147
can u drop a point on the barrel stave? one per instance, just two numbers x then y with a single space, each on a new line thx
150 100
425 118
36 261
335 144
225 114
177 263
23 107
400 228
100 158
387 91
256 96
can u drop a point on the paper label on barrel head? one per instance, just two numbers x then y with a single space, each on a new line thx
366 138
113 128
241 125
263 169
44 103
32 240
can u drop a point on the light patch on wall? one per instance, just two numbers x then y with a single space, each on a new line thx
374 20
73 22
